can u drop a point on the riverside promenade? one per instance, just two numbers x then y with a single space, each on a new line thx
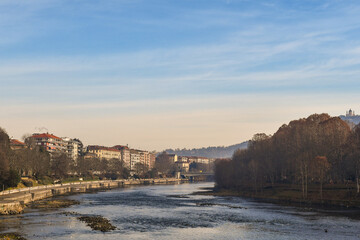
13 201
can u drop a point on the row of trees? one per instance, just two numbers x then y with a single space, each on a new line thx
8 175
314 150
33 161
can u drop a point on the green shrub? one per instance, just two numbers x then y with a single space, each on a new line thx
28 183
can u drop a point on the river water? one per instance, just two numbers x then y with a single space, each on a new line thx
169 212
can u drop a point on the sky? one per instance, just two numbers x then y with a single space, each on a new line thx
158 74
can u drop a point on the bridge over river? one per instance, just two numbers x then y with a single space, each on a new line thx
198 176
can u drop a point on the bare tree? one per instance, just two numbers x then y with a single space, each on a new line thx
61 165
163 163
319 168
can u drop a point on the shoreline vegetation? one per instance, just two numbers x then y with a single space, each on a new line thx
289 196
311 162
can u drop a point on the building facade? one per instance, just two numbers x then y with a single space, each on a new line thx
74 148
102 152
134 159
182 166
50 142
152 160
173 157
125 155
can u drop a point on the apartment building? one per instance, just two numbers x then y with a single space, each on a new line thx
183 159
49 142
125 154
134 159
145 158
199 159
182 166
173 157
152 160
104 152
74 148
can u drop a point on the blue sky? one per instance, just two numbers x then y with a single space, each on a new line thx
190 73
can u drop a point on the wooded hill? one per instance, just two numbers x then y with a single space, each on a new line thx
306 154
209 152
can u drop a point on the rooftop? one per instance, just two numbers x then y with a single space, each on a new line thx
45 135
96 147
16 142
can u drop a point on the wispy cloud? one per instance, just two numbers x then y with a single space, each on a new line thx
175 63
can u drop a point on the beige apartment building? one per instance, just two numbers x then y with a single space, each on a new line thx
104 152
145 158
199 159
74 148
125 154
173 157
134 159
183 166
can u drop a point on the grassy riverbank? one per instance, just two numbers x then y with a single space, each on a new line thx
334 196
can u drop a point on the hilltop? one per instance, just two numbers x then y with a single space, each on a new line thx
209 152
351 118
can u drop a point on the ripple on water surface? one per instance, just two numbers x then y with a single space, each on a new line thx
169 212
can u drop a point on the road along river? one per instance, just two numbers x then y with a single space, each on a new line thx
171 212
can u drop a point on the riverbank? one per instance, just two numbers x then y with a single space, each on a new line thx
14 202
11 236
334 196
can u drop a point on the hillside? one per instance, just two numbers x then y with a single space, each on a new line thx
210 152
353 120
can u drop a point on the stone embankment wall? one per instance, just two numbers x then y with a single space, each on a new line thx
10 208
12 202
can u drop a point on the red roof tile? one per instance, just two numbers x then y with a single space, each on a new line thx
16 142
45 135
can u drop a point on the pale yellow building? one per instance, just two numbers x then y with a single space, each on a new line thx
173 157
105 152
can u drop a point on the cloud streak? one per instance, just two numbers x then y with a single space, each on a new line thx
175 63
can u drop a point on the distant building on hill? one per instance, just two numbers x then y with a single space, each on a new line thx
351 118
350 113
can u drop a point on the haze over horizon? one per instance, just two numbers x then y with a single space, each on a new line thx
172 74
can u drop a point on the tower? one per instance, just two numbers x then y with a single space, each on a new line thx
350 113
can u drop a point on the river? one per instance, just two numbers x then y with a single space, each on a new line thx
169 212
